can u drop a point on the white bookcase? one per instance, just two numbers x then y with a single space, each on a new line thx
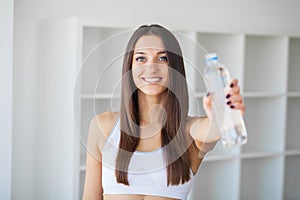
268 69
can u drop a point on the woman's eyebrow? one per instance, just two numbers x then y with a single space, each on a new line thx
161 52
139 52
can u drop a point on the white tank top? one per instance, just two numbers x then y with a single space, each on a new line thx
147 173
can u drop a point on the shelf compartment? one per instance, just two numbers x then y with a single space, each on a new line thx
294 65
262 178
264 119
195 105
83 152
229 47
265 61
293 125
292 177
219 152
90 108
100 60
81 186
217 180
188 44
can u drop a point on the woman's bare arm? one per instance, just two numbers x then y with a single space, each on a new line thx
99 130
203 133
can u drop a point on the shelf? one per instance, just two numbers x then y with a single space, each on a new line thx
262 178
294 94
200 94
256 155
292 153
217 180
292 177
265 59
221 152
100 96
293 125
264 120
262 94
294 65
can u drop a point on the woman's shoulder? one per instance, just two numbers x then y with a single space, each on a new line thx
105 121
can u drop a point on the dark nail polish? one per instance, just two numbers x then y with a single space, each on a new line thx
208 94
228 102
228 95
231 106
231 85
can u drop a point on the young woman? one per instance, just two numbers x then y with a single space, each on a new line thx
151 149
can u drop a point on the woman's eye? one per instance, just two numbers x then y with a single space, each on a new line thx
163 58
140 59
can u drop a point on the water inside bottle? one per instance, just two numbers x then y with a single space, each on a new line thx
234 135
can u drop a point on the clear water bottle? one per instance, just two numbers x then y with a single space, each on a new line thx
229 122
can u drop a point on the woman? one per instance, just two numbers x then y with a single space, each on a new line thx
151 149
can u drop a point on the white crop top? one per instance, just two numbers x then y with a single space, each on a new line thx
147 173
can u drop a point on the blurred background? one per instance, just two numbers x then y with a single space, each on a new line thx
42 44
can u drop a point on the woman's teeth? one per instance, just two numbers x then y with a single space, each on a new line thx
152 79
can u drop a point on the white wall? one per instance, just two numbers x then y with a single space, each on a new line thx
56 138
247 15
6 88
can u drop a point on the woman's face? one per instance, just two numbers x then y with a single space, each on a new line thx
150 65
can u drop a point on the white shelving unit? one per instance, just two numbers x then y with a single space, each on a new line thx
268 69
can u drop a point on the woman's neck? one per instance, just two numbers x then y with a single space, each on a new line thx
151 108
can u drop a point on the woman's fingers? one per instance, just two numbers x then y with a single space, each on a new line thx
235 89
233 83
234 99
238 106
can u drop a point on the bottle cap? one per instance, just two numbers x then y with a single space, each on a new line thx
211 57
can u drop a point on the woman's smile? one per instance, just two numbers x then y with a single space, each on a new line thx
152 80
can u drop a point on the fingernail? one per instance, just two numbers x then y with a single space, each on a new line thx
231 85
208 94
231 106
228 95
228 102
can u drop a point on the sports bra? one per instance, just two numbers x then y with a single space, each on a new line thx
147 173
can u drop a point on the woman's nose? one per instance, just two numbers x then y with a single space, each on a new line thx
153 67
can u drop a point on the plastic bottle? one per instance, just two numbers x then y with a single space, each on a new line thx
229 122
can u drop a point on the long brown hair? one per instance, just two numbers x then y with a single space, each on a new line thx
175 154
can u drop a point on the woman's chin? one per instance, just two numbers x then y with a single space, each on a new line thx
153 92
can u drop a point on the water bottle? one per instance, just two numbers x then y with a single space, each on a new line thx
228 121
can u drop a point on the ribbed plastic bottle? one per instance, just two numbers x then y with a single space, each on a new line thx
229 122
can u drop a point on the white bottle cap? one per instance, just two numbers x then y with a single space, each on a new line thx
211 57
